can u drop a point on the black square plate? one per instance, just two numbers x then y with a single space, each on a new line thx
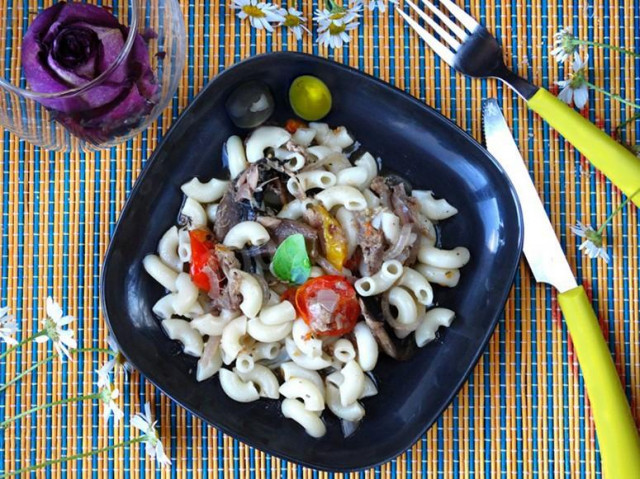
412 139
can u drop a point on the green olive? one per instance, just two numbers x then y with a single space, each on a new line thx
310 98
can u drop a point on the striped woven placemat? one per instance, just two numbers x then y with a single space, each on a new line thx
523 411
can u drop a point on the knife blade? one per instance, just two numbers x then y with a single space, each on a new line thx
541 246
615 426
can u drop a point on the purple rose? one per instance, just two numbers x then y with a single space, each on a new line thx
71 44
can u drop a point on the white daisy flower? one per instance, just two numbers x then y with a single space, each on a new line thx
325 16
564 45
108 396
294 21
336 33
54 323
592 246
379 4
153 445
117 360
8 327
576 88
260 14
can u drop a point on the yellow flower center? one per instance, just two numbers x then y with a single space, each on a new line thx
337 15
291 20
253 11
335 29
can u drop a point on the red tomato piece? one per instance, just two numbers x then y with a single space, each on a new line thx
328 304
204 261
289 295
293 124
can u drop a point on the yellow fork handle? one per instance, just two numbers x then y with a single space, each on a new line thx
616 429
617 163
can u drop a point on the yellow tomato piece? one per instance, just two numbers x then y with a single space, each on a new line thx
334 239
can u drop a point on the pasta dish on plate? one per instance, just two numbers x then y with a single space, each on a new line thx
288 279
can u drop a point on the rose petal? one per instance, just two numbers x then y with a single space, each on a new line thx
112 44
75 13
76 49
139 60
127 111
103 94
111 120
38 77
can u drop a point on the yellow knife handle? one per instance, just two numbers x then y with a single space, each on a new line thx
617 163
616 429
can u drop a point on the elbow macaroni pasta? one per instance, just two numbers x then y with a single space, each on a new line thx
346 196
380 282
352 384
194 212
211 360
367 346
352 412
168 249
251 293
159 271
184 246
442 258
432 208
264 379
441 276
343 350
263 138
266 333
355 176
418 285
246 233
310 179
236 388
294 409
231 339
431 321
236 156
304 136
305 390
179 330
207 192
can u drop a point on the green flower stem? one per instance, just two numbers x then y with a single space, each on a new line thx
27 371
86 397
94 350
627 122
577 41
615 212
49 358
612 95
21 343
75 457
333 6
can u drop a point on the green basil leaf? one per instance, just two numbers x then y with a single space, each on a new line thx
291 262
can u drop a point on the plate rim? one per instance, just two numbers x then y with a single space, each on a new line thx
519 223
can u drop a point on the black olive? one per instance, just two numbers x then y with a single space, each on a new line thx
250 105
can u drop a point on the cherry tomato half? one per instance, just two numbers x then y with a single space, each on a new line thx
204 261
328 305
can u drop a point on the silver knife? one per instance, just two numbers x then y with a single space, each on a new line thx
615 426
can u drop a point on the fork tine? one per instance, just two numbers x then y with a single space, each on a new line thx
446 20
453 43
444 53
464 18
